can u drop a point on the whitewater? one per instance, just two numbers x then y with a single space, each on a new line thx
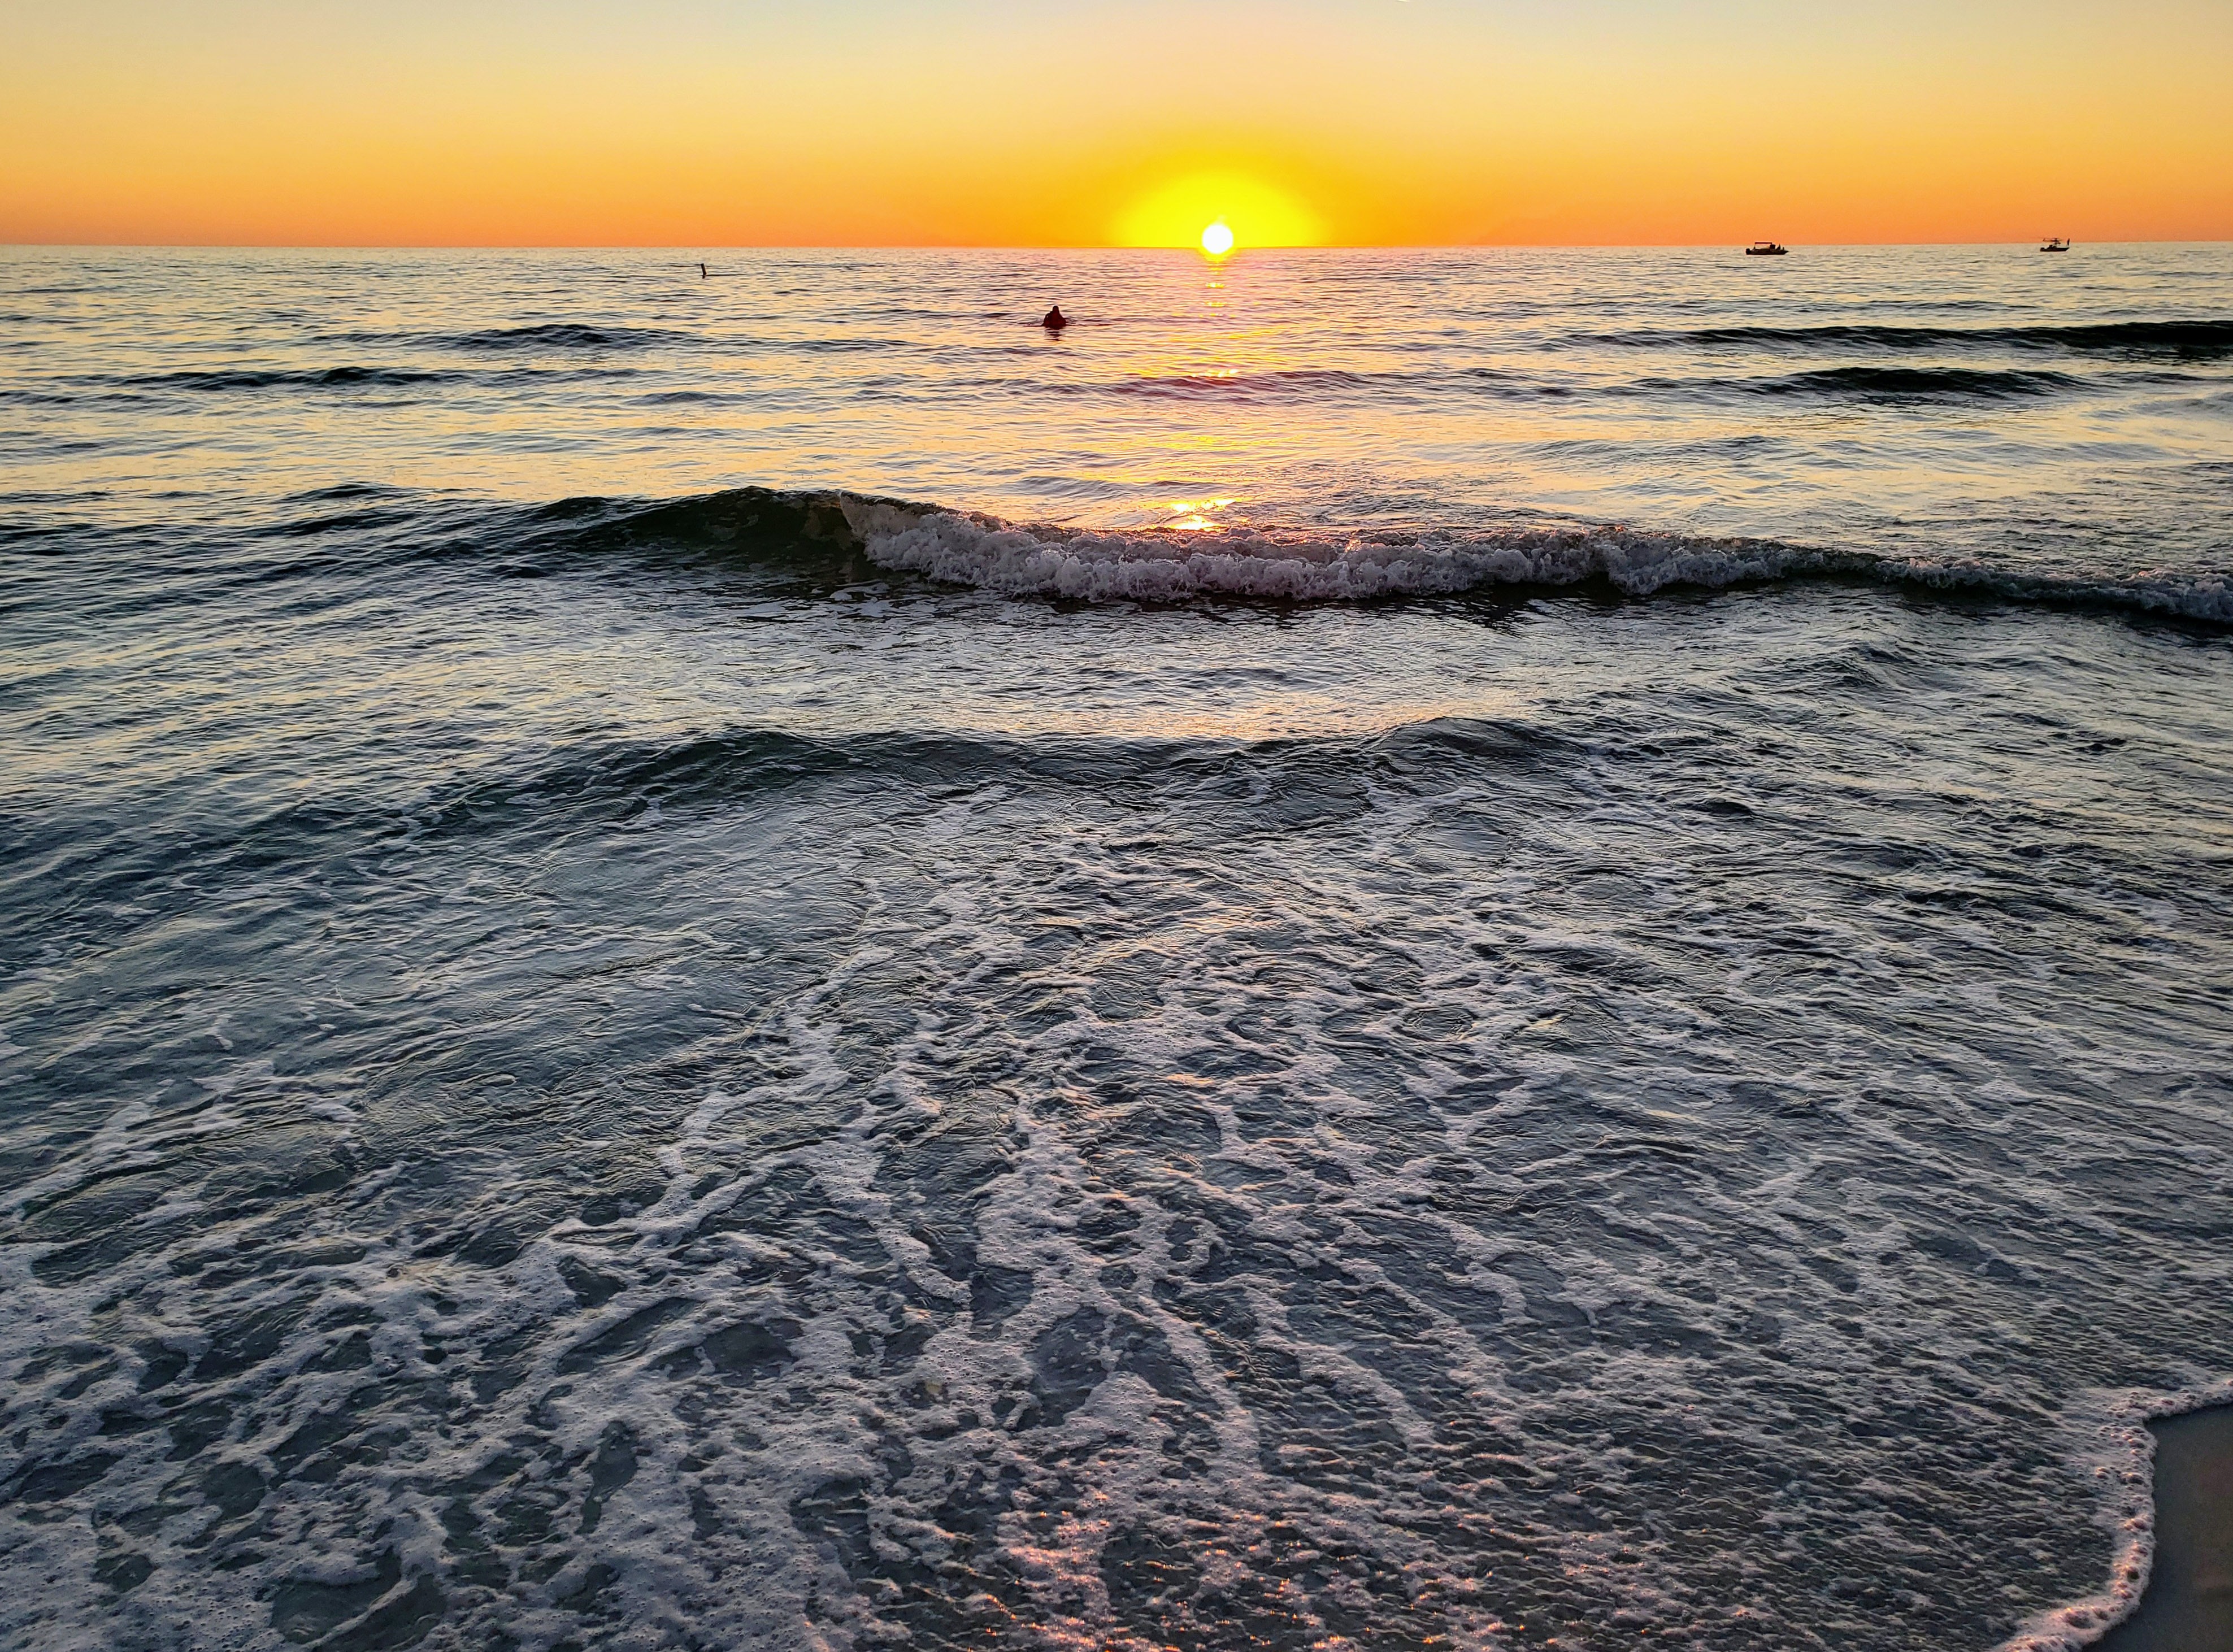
1473 948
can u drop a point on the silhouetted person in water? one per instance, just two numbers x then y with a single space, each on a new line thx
702 275
1054 321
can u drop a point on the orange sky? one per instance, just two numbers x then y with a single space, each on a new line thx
1094 122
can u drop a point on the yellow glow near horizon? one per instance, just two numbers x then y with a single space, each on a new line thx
1130 122
1250 212
1217 238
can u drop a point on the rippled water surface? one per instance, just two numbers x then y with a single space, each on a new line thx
1408 949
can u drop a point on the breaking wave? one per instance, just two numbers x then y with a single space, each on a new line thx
1309 565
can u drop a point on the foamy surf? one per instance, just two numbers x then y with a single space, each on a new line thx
2116 1451
1299 564
1319 565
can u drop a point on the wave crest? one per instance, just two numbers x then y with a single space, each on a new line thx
1299 565
1311 565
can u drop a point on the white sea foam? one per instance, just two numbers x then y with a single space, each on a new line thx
1300 565
2114 1450
1325 565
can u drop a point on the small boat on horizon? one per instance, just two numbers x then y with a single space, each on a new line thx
1766 250
2056 244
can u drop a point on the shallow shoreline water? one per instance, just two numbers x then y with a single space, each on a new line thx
2189 1602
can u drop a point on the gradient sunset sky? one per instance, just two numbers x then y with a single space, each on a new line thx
1090 122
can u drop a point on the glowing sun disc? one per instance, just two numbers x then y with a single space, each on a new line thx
1217 238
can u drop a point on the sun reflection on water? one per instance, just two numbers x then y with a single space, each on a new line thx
1194 516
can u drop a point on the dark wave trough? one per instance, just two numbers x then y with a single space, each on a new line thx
2200 339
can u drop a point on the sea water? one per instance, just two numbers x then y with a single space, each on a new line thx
1417 949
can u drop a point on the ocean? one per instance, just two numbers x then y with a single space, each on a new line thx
1472 949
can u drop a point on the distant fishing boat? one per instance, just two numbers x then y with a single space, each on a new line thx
1766 250
2056 244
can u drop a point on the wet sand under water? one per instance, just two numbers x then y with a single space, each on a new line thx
2189 1604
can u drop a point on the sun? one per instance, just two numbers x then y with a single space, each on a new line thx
1238 209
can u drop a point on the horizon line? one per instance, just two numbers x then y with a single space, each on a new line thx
990 246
